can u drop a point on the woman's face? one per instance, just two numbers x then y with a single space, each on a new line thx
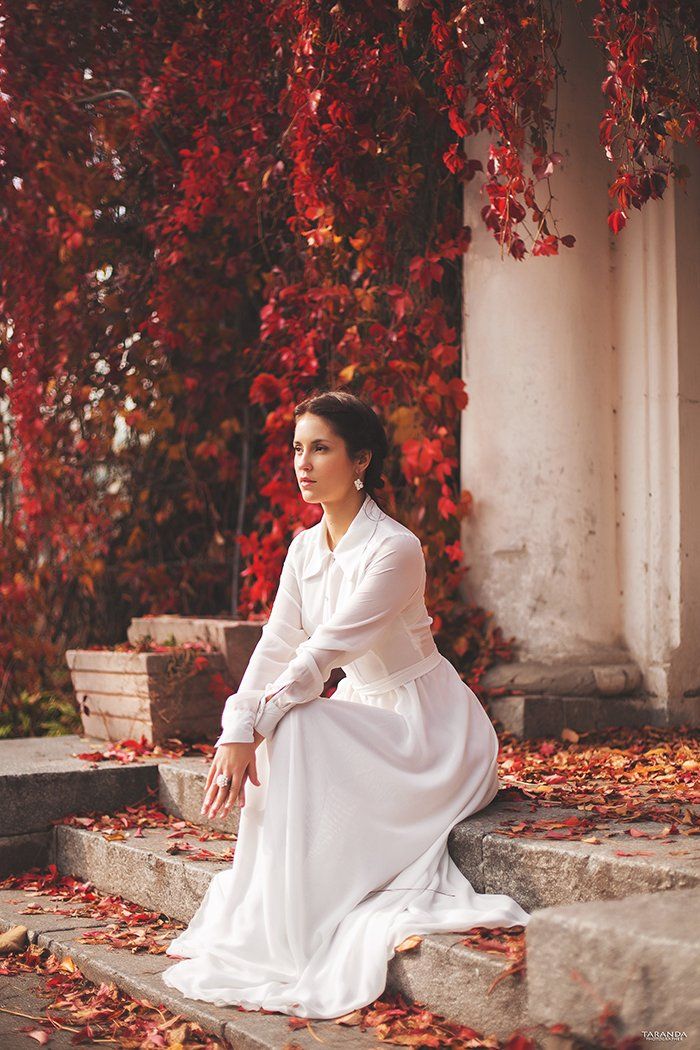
321 458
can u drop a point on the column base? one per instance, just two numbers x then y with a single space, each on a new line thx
618 675
544 715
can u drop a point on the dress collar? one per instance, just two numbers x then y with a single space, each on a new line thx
348 550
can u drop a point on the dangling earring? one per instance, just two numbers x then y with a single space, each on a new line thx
359 484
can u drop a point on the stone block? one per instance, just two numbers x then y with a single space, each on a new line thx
235 639
125 695
533 716
635 960
616 675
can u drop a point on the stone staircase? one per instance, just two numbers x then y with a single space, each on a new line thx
614 934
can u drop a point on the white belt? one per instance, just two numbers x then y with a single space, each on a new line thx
393 681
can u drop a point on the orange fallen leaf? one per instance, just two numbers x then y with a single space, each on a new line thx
13 940
351 1019
409 942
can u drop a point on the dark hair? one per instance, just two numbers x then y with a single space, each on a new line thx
357 423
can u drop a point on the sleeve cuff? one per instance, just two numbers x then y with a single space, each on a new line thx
301 682
238 724
267 722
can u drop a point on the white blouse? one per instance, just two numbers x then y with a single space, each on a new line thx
379 631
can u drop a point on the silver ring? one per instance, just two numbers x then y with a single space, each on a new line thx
222 780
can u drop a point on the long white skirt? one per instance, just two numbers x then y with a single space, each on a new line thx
342 850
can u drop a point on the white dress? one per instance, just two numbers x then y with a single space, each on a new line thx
342 849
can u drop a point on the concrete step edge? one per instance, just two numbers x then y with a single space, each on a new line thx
140 977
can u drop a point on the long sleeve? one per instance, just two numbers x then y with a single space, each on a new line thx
394 575
276 646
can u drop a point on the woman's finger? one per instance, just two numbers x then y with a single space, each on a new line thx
221 800
237 797
211 792
223 794
253 771
210 805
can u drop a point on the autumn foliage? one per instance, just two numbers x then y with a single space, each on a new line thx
210 210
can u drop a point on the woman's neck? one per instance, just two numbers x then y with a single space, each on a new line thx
339 517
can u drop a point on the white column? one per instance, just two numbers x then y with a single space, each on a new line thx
538 438
581 439
657 351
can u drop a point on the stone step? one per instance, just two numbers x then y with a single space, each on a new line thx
458 982
181 788
20 993
537 872
444 974
610 673
140 976
141 869
634 961
544 872
534 715
41 781
452 979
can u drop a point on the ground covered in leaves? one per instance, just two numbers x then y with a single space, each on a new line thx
629 775
632 776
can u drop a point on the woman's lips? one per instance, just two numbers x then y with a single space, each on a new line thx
307 482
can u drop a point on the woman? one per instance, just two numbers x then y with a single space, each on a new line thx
342 842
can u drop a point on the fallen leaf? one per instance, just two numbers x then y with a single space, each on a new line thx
409 942
13 940
352 1018
40 1034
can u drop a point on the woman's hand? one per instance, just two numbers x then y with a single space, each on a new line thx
237 762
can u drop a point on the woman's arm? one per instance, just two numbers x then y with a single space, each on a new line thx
393 577
276 646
